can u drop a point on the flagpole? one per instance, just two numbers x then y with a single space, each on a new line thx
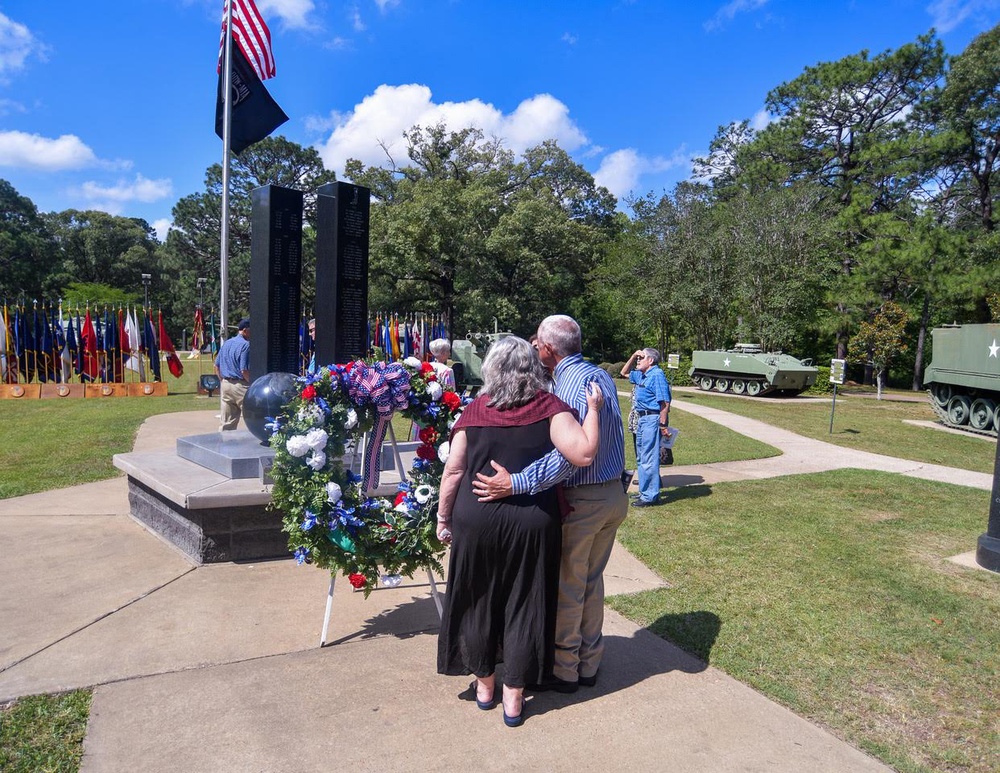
227 119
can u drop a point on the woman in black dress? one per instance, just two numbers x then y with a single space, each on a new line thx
503 575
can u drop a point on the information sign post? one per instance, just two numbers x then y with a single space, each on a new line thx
837 370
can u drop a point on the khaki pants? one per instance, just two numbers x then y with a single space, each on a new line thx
233 393
588 537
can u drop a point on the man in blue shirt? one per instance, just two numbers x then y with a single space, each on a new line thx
595 495
232 366
652 404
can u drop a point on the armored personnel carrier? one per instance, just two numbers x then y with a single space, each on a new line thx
748 369
964 377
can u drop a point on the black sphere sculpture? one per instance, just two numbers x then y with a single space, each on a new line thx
265 399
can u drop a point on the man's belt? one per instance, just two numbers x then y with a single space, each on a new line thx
647 413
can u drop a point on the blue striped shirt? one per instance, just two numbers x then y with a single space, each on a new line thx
572 375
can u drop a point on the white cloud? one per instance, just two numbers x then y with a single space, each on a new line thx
385 5
621 171
568 38
382 117
16 45
161 226
293 13
728 12
32 151
140 189
8 106
357 23
761 119
946 15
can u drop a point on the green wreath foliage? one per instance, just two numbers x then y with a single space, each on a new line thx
329 521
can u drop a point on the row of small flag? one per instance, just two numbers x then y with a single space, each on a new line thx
397 335
48 346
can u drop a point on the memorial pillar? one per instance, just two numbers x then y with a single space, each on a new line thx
342 227
275 280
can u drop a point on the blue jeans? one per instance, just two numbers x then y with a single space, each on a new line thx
647 441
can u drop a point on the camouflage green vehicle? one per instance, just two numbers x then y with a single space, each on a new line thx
964 377
748 369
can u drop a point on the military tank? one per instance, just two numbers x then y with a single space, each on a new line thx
963 379
748 369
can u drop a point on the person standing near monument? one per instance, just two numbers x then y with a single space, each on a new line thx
652 408
232 366
441 350
596 498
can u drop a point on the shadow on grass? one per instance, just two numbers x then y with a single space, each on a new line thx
686 491
693 632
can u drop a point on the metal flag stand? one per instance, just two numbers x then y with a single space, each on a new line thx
359 448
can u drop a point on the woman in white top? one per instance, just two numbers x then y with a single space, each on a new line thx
441 350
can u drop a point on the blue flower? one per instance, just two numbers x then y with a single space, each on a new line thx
346 518
352 477
433 410
301 555
420 464
323 404
309 521
272 423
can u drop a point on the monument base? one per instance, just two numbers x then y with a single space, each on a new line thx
211 535
988 552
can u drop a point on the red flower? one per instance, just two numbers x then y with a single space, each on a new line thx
428 435
452 400
357 580
400 497
427 452
308 392
426 367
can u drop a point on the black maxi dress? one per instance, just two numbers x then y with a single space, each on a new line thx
503 575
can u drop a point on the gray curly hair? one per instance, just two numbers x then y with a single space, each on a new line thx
512 373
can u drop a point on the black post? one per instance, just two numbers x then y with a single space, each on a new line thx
988 548
342 222
275 280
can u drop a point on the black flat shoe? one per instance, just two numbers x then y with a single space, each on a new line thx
484 705
644 503
588 681
514 721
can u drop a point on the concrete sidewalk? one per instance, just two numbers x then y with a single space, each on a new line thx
218 668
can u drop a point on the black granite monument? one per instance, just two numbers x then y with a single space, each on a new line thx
342 222
275 280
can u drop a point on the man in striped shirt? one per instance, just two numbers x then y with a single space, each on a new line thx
596 497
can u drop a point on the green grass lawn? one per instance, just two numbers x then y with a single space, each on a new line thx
44 733
52 444
863 423
831 594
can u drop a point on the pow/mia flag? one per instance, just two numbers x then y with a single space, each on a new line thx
254 113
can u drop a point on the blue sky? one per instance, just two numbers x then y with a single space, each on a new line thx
111 105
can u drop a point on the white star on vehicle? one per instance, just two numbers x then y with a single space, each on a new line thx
726 361
994 348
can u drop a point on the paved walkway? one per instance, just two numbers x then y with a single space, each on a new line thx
217 668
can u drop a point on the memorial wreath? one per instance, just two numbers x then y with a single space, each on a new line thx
329 521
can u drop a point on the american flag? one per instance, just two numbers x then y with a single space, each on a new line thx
252 36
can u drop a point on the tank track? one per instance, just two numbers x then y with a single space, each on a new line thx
765 388
942 414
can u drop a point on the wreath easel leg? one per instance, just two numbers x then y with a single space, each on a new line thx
329 608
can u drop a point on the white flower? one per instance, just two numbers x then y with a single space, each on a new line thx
423 493
413 362
452 422
317 460
402 508
444 450
434 390
391 580
352 419
333 492
311 414
316 438
297 445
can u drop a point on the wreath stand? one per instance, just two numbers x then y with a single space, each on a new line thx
333 577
